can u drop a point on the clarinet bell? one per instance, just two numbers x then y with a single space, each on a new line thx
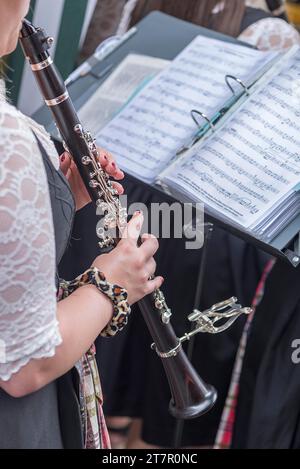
197 408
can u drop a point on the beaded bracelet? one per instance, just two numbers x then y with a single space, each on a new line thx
115 293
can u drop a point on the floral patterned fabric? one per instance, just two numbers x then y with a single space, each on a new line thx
271 34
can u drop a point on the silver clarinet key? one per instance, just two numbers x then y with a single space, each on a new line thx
226 313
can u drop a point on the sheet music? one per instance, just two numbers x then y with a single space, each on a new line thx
253 163
117 89
145 136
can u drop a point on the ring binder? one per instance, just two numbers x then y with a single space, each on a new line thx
281 241
204 131
212 124
220 117
204 116
240 82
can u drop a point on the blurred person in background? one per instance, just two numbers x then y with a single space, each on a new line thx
116 16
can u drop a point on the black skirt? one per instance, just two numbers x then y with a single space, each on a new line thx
133 380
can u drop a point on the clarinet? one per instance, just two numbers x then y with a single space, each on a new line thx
191 396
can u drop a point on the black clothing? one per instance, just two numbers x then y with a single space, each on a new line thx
268 411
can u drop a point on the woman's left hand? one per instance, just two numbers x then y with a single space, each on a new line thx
81 195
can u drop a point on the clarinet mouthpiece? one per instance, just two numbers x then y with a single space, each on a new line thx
27 29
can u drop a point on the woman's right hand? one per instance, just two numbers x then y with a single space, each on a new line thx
130 266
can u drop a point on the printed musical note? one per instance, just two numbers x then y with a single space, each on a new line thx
252 165
147 133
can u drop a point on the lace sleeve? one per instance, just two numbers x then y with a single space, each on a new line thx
28 324
271 34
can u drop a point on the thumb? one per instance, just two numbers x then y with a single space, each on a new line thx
155 284
65 162
133 228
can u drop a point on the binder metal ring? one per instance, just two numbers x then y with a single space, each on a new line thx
194 112
240 82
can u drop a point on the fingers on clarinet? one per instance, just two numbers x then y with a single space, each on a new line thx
73 165
108 163
146 236
154 284
119 175
104 158
113 171
149 245
65 162
119 188
133 228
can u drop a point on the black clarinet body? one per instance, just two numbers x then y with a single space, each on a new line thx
191 396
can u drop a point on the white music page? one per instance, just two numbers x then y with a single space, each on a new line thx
253 164
145 136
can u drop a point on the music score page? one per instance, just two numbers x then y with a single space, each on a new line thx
251 166
146 135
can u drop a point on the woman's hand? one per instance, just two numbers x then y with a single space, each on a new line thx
130 266
81 195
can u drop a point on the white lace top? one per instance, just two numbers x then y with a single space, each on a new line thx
28 324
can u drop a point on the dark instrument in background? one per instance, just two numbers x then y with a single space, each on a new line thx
191 396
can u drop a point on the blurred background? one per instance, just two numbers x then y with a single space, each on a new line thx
79 26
